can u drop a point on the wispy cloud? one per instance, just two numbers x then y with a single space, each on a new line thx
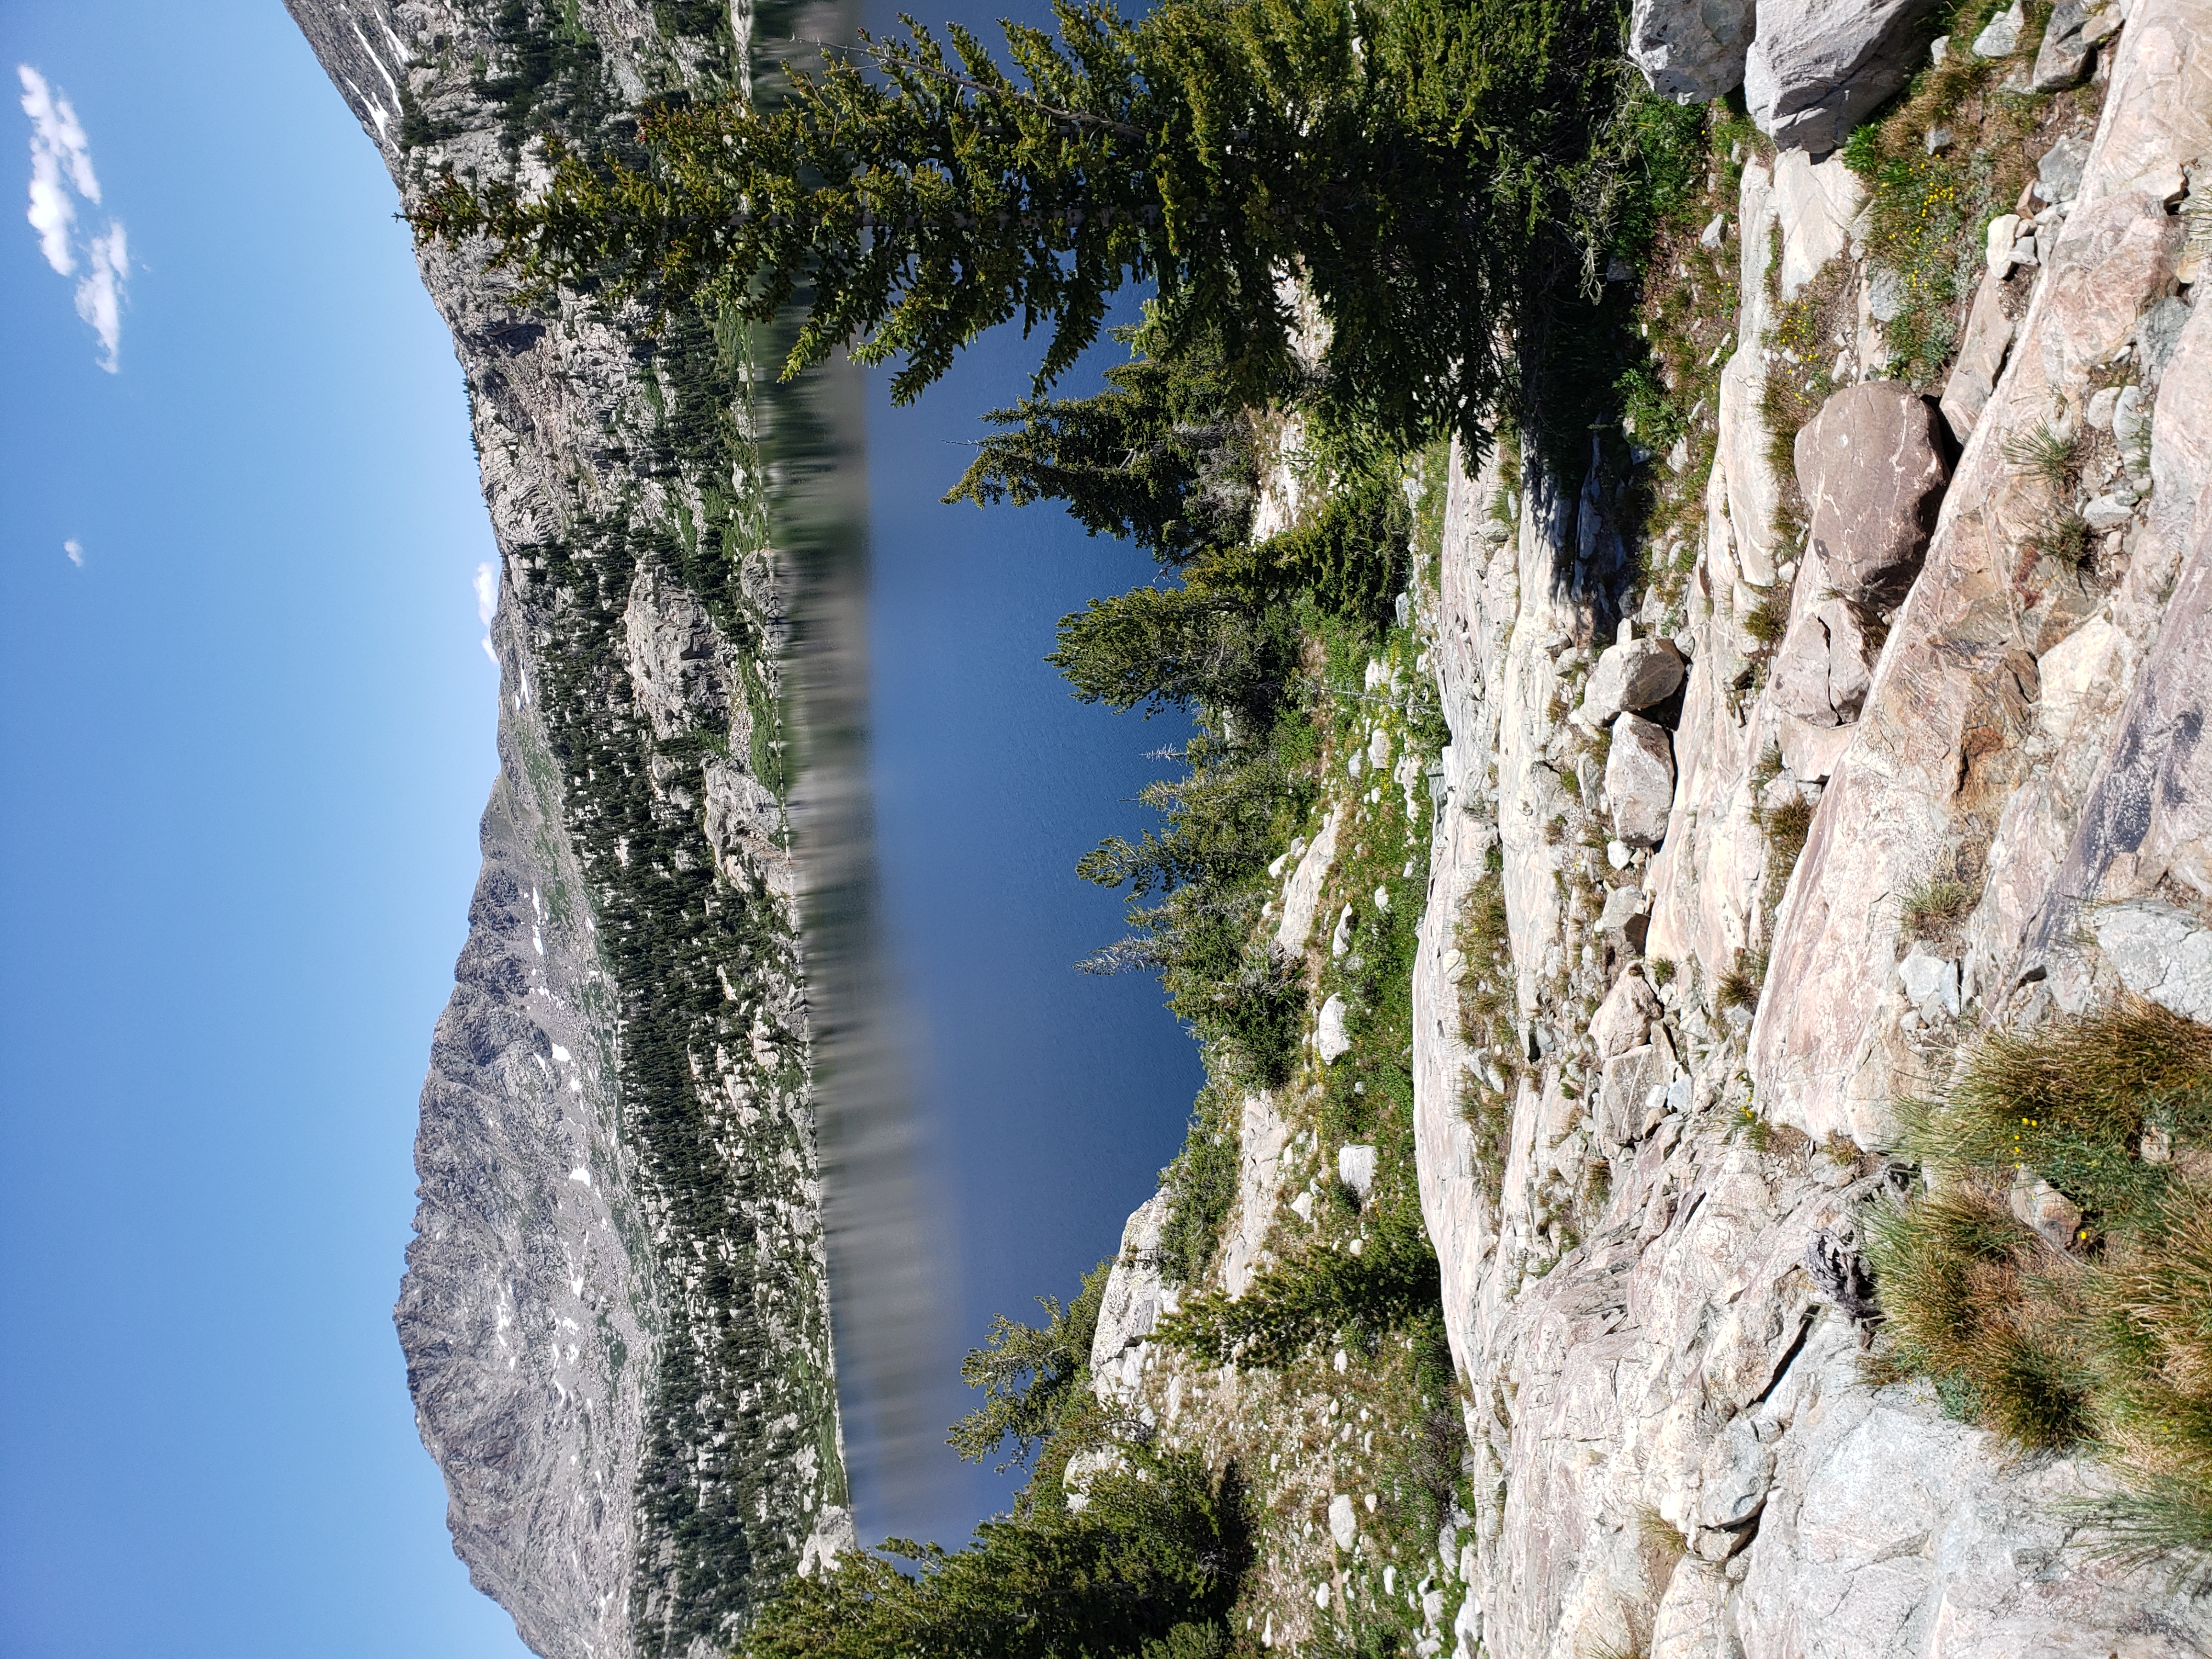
61 176
487 586
75 549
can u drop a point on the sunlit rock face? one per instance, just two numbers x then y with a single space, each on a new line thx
614 1313
1679 1446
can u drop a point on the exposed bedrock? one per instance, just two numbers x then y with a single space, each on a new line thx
1678 1450
1957 764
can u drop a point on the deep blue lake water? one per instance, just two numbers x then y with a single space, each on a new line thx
1049 1099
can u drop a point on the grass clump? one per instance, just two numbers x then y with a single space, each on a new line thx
1936 904
1768 620
2091 1330
1926 211
1739 986
2050 452
1786 824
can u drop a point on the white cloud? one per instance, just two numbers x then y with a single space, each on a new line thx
61 175
487 586
99 295
75 549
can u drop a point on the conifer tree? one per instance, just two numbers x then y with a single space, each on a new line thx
1428 167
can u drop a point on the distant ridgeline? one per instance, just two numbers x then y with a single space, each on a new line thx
616 1312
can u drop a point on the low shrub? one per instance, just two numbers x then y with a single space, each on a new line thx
1297 1305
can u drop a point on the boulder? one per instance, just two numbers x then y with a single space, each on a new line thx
1343 1521
1626 1082
1134 1298
1626 908
1639 781
1931 984
1817 68
2064 57
2036 1203
1623 1020
2000 37
1633 674
1814 203
1873 474
1690 51
2058 175
2159 952
1302 894
1738 1469
2159 333
1981 358
1825 665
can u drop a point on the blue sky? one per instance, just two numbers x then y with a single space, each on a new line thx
247 728
246 743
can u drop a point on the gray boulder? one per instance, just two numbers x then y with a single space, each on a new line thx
1623 1020
2064 57
1639 781
1825 665
1355 1168
1633 674
1329 1036
2159 952
1691 51
1624 1090
1817 68
1873 475
2058 175
2000 36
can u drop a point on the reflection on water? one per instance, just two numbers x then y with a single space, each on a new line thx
892 1334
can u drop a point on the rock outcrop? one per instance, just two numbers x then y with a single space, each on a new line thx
1678 1450
616 1313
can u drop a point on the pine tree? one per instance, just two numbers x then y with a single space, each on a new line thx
1432 169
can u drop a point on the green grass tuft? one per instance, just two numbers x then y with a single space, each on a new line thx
1935 904
2098 1339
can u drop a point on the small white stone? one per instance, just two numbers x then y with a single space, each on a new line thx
1343 1525
1714 233
2004 232
1616 855
1329 1038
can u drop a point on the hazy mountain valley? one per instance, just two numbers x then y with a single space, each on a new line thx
1687 539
